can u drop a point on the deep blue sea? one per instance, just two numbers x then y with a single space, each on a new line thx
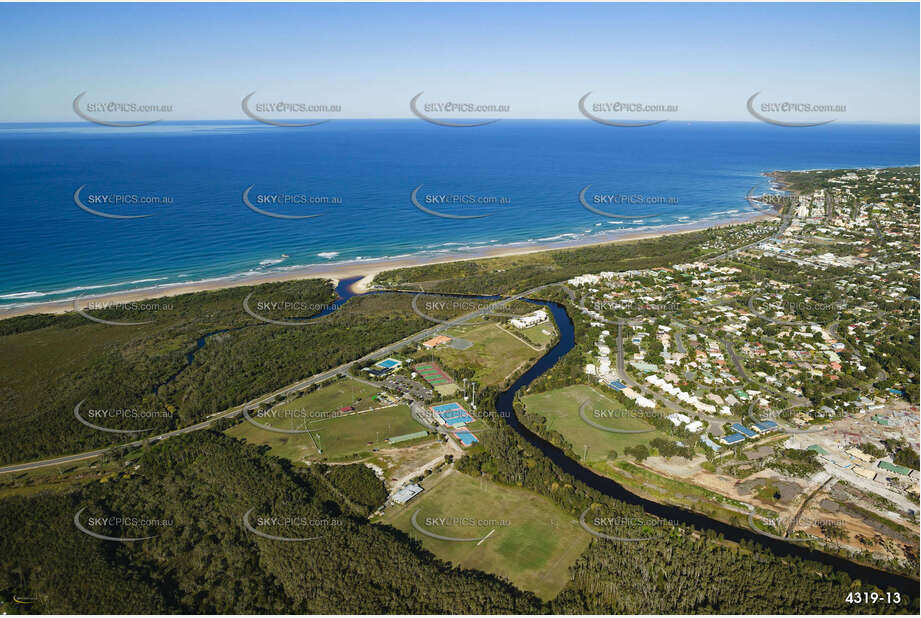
675 172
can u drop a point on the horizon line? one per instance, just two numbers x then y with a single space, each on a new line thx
415 119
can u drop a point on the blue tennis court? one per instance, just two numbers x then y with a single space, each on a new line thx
452 414
466 437
447 407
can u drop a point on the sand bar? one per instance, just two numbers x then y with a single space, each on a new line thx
367 269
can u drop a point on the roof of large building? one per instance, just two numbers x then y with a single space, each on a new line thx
406 437
765 425
378 372
885 465
407 493
742 429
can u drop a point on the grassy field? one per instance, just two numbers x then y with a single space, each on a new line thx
349 436
340 438
561 409
666 490
355 433
536 334
335 395
493 355
533 544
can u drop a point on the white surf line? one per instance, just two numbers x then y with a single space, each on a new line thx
485 537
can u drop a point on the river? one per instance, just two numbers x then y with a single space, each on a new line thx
610 488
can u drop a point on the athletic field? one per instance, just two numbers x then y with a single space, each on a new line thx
561 409
433 374
494 354
338 435
528 539
452 414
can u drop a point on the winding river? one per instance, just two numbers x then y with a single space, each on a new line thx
612 489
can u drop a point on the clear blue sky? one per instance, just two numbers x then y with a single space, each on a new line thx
538 58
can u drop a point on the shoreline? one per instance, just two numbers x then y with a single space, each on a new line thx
366 269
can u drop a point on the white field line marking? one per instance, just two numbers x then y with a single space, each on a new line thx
508 332
485 537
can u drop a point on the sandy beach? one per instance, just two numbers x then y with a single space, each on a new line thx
366 269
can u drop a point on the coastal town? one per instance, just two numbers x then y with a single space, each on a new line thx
764 383
769 382
783 369
465 308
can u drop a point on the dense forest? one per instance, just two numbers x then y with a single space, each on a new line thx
685 574
202 559
202 356
206 561
201 353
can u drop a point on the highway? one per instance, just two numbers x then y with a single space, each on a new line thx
315 379
376 355
200 425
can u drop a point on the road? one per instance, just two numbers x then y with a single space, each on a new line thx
831 480
872 487
176 432
315 379
679 343
376 355
735 360
879 234
785 222
751 308
629 381
714 421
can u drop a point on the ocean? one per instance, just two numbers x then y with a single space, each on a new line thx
522 179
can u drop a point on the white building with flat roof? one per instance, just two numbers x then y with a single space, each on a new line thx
406 493
584 280
695 427
530 319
